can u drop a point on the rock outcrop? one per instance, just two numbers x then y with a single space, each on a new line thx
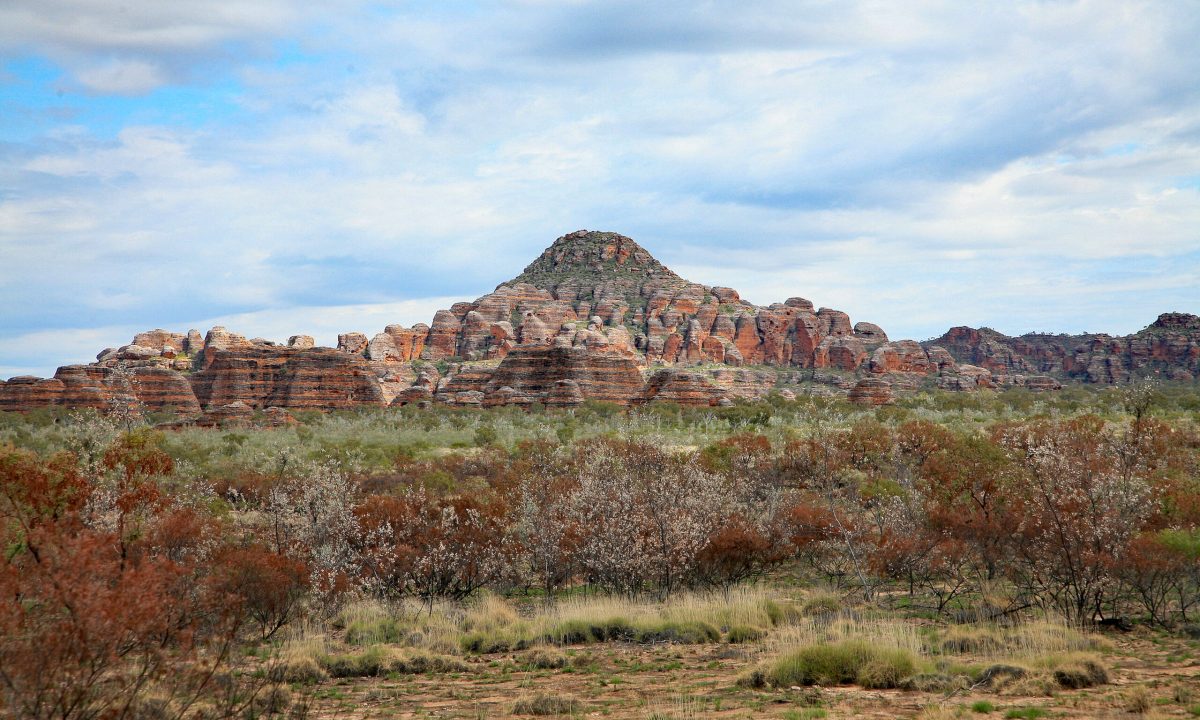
320 378
552 375
595 316
1169 348
872 391
102 388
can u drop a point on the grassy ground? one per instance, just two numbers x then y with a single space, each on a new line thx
785 652
752 654
370 440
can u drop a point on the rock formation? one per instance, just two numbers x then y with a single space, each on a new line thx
595 316
1169 348
262 377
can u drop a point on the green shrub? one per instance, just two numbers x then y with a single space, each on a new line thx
418 663
982 706
493 641
691 632
372 662
368 632
846 662
581 632
378 661
743 634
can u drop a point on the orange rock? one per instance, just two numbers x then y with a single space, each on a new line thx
872 391
319 378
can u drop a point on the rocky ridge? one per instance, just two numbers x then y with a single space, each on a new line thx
1169 348
595 316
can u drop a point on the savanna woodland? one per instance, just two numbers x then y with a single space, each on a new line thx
952 555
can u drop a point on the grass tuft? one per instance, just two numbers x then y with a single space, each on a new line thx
545 659
841 663
544 704
380 661
739 634
1138 700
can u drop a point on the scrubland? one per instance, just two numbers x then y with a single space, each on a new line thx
993 554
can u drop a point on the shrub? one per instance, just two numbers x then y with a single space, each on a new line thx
416 663
494 641
1080 674
935 682
377 661
743 634
689 633
373 662
975 640
302 670
780 614
982 706
1137 700
270 586
849 661
374 630
546 705
887 669
545 659
823 604
579 632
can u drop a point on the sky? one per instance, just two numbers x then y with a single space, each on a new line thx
288 167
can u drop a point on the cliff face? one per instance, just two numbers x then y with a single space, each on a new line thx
595 316
102 388
1168 348
262 377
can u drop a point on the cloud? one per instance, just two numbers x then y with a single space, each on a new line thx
119 47
122 77
1025 165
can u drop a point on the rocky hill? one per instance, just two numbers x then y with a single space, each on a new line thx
595 316
1166 349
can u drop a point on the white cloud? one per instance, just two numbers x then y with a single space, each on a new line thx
118 77
918 167
79 26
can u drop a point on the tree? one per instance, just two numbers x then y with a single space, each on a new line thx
1080 513
646 515
93 615
831 469
546 529
429 547
311 516
968 484
269 587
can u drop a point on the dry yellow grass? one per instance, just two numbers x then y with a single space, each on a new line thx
880 632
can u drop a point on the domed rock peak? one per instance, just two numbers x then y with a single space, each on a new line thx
588 256
591 264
